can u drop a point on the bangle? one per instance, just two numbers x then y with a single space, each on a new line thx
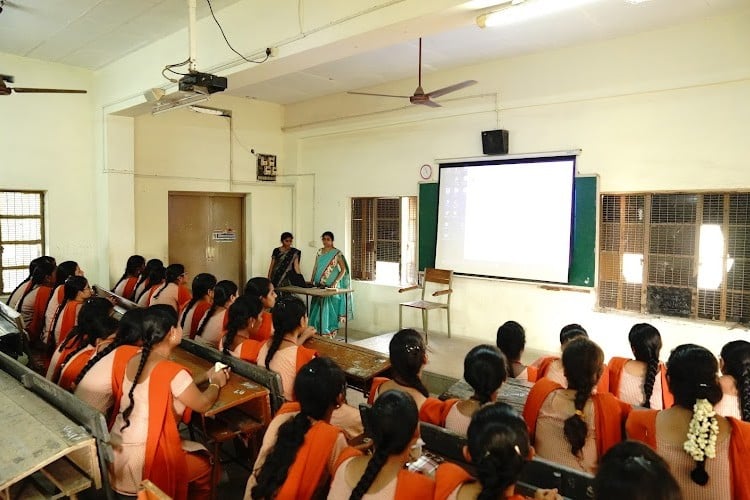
215 385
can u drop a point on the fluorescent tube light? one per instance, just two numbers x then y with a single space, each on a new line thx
164 106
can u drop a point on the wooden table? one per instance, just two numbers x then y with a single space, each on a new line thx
514 392
36 436
361 365
322 293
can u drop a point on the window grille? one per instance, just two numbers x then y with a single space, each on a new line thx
21 235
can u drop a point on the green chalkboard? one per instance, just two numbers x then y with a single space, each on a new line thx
583 255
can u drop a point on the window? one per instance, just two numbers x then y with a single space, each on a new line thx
21 235
384 239
681 254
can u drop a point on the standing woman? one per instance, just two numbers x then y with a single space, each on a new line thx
214 322
33 302
154 393
263 289
64 271
144 280
173 292
735 380
284 260
332 271
642 381
125 286
203 296
77 290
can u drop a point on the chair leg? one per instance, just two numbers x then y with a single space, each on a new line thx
448 316
400 316
424 324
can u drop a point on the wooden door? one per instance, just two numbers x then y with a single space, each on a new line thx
206 234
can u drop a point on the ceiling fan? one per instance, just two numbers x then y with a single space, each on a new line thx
5 90
419 96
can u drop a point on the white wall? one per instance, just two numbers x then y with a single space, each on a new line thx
663 110
46 143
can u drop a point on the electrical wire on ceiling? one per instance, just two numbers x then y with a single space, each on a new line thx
268 51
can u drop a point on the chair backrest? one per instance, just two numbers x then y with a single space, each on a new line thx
443 278
570 483
443 442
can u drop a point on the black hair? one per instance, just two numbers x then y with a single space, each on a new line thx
285 235
158 321
32 266
287 316
407 354
65 270
317 387
691 371
630 470
133 267
129 332
258 287
645 341
223 291
485 371
155 276
736 356
202 284
498 443
73 285
394 417
329 234
94 323
582 360
173 272
572 331
39 276
511 340
146 273
240 312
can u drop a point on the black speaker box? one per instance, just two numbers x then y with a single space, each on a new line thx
495 142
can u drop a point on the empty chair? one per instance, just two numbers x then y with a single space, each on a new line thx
441 280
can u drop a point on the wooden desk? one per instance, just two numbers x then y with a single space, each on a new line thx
514 392
322 293
35 435
361 365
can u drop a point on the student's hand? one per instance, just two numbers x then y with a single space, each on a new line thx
309 333
552 494
362 444
218 377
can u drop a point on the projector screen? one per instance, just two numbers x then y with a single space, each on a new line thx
506 219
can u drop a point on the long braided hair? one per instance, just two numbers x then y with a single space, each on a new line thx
691 370
287 317
511 340
499 447
242 310
223 292
129 332
133 267
394 418
583 361
155 276
484 370
94 323
408 355
145 278
171 275
32 266
645 342
736 357
318 387
158 321
43 273
201 285
73 286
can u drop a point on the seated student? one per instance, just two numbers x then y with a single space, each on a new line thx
264 290
485 371
125 286
511 340
642 381
244 318
77 291
632 471
395 430
408 356
203 296
214 322
34 299
144 280
154 282
561 420
94 326
25 285
173 292
64 271
707 453
300 447
153 393
735 381
498 446
93 385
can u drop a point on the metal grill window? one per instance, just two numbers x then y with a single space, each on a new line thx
21 235
384 239
677 254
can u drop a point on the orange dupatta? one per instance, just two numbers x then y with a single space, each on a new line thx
376 383
34 328
448 477
73 367
129 287
67 321
249 350
122 355
434 411
200 310
615 367
265 331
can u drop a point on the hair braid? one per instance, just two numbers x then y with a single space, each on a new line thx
489 467
743 383
194 300
575 427
95 359
273 347
648 382
376 463
281 457
24 282
166 284
52 339
206 317
144 357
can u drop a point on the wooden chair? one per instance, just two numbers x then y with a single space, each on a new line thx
439 278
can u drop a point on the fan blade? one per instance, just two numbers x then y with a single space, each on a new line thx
26 90
379 95
452 88
429 103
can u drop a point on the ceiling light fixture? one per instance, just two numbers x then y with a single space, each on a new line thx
494 17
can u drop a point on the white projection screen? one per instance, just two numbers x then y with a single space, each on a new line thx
507 219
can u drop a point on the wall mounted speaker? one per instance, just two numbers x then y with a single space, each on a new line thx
495 142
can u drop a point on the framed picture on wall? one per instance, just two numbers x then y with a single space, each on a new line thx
266 167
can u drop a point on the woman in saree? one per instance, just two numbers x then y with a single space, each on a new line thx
330 271
284 261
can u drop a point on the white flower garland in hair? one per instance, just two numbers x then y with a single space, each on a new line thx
702 432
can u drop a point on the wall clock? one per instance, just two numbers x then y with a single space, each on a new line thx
425 171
